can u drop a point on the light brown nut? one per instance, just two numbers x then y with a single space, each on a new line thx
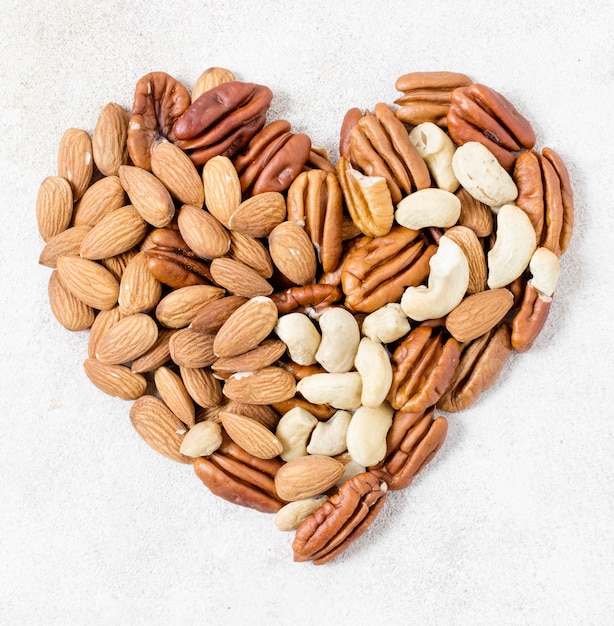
530 319
72 313
340 520
257 216
251 435
474 214
156 356
88 281
239 279
222 188
158 427
75 161
103 321
265 354
189 348
115 380
307 476
54 207
109 141
202 386
118 263
265 386
101 198
139 291
127 339
210 78
179 307
252 252
205 236
293 253
148 195
175 395
262 413
66 243
213 314
472 248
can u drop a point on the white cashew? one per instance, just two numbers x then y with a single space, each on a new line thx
341 391
290 516
386 324
366 437
437 150
298 332
340 338
545 269
373 364
428 207
202 439
293 430
514 246
328 437
479 172
447 284
351 468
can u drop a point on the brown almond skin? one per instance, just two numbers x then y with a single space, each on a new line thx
307 476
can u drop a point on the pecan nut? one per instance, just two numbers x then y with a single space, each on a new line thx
159 100
422 368
479 113
222 120
315 201
235 475
530 319
340 520
315 297
377 271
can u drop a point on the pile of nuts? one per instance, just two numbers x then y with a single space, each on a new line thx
289 325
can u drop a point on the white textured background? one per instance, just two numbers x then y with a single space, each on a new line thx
513 521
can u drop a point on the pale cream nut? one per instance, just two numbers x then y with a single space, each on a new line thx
386 324
340 390
373 364
340 339
428 207
293 430
301 337
545 269
290 516
329 436
202 439
437 149
366 436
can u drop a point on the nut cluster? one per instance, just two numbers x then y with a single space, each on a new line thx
290 326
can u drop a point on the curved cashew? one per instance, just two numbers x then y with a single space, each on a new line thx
340 338
351 468
447 284
293 430
437 150
298 332
514 246
545 269
373 364
366 437
341 391
328 437
479 172
428 207
386 324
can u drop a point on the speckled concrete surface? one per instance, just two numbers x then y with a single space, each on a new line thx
510 524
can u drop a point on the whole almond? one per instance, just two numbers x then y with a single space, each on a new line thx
202 386
202 232
66 243
159 427
239 279
222 188
89 281
148 195
104 320
71 312
478 313
307 476
139 291
129 338
257 216
174 168
213 315
210 78
293 253
472 248
103 197
115 380
109 139
175 395
157 355
246 327
190 348
252 252
265 386
115 233
54 207
75 161
251 435
119 263
474 214
178 308
269 351
262 413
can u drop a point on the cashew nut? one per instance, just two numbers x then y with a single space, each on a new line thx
437 150
290 516
545 269
351 468
340 338
298 332
373 364
202 439
514 246
428 207
447 284
341 391
328 437
479 172
366 436
293 430
386 324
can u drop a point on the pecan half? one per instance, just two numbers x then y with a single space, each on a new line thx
340 520
314 297
241 478
422 367
222 120
377 271
479 113
315 201
480 364
530 319
159 100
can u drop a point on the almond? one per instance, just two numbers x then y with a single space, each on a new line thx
103 197
293 253
213 315
202 232
159 427
478 313
178 308
104 320
174 168
148 195
54 206
115 233
269 351
75 162
71 312
257 216
109 139
265 386
251 435
239 279
115 380
246 327
175 395
252 252
262 413
210 78
222 188
89 281
190 348
472 249
157 355
66 243
139 291
119 263
127 339
474 214
307 476
202 386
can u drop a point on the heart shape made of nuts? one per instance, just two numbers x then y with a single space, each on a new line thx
290 326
